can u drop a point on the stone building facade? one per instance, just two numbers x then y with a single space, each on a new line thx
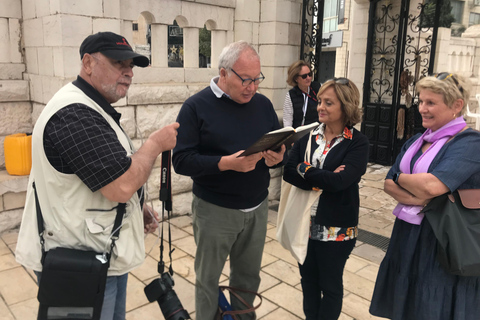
39 55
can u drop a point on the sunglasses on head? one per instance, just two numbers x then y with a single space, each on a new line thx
340 80
446 75
304 76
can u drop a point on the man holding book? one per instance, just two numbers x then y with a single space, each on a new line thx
230 202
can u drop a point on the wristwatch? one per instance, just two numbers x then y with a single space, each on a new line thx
396 175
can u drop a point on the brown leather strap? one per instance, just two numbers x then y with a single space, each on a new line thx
234 291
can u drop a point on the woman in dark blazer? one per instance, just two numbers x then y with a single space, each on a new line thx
338 160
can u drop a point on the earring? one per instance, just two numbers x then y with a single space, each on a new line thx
454 116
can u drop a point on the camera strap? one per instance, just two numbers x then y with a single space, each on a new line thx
166 198
115 231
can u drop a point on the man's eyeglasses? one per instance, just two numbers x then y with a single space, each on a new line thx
304 76
446 75
247 82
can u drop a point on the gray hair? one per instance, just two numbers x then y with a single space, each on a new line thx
231 53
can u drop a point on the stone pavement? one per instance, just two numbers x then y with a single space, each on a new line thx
280 284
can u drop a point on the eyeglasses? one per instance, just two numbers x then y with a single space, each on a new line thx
304 76
446 75
247 82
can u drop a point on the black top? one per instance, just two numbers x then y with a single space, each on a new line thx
296 95
78 140
339 202
212 127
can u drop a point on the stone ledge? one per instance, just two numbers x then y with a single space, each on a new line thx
9 183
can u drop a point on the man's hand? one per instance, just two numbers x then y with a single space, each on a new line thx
272 158
240 164
150 223
340 168
166 137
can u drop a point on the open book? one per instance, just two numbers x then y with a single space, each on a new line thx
273 140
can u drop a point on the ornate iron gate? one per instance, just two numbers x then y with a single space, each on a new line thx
311 41
400 50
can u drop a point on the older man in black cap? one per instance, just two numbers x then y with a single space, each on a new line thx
84 166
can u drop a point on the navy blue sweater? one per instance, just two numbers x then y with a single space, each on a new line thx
212 127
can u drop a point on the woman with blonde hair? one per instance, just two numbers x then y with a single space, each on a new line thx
411 284
338 160
300 106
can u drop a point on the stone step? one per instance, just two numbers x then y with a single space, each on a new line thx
12 200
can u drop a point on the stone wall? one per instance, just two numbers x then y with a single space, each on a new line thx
41 55
15 108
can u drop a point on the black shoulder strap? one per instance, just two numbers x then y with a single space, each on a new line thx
121 208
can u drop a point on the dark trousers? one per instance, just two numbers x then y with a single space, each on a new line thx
322 278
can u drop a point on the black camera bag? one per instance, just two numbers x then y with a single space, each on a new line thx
72 281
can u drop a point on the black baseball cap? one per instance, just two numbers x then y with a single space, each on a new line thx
113 46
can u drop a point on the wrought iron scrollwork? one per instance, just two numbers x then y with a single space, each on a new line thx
418 46
311 35
383 54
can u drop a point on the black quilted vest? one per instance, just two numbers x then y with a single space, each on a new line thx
297 101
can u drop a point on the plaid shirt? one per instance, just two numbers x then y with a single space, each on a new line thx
78 140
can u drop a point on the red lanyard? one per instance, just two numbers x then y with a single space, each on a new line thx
314 98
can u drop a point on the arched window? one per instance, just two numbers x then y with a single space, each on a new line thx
204 48
175 46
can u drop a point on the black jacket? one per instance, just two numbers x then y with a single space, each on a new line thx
339 203
296 95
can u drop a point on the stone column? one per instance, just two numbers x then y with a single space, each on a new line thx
190 47
219 41
358 42
159 45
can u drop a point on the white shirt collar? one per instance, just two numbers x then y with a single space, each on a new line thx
216 89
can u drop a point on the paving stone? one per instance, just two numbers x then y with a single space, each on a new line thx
25 310
177 233
354 264
5 312
357 308
187 244
266 308
267 282
373 176
280 314
275 249
267 259
10 237
185 268
358 285
287 297
4 249
182 221
8 262
135 294
368 191
147 270
369 272
284 271
373 184
370 203
145 312
369 252
16 286
272 233
188 229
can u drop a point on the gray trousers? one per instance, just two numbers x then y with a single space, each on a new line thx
220 232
